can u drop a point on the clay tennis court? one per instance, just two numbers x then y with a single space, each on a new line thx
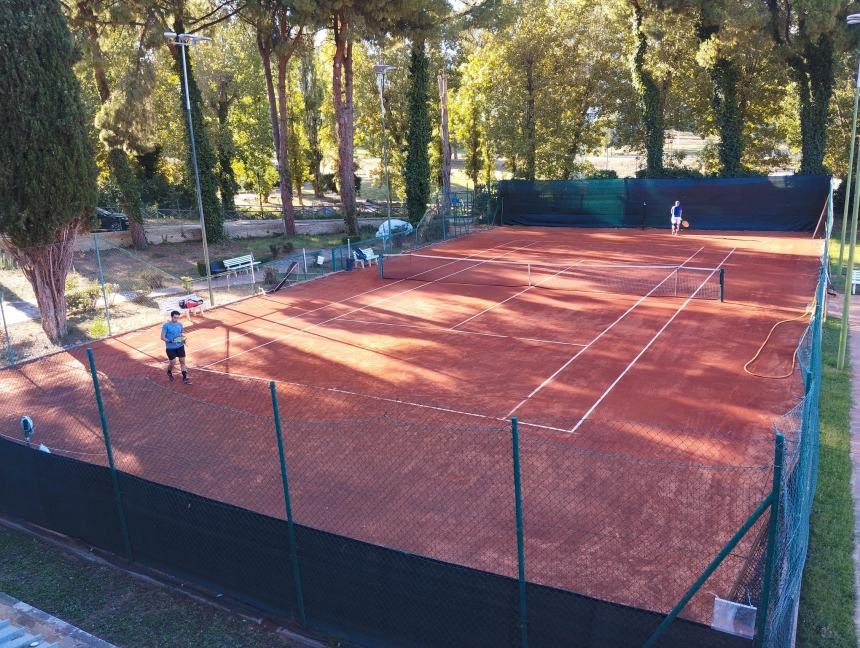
644 442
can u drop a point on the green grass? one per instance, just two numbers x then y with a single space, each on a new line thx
827 595
115 606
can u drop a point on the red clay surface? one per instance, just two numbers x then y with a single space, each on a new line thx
638 463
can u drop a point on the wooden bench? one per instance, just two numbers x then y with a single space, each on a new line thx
855 279
369 257
170 304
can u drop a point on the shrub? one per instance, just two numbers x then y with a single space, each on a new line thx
275 249
288 247
99 328
602 174
270 275
73 280
83 300
201 268
187 283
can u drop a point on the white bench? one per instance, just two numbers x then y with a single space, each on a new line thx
855 279
370 255
238 264
170 304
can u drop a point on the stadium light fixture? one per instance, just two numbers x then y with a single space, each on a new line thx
182 41
381 69
853 19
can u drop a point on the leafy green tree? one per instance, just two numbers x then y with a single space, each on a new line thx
47 167
123 87
807 34
313 96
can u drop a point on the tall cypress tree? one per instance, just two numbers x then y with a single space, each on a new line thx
47 169
418 135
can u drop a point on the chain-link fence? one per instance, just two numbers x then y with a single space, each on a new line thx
113 289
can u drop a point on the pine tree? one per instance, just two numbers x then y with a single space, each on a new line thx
47 169
418 136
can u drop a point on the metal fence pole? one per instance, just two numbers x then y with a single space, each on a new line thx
294 558
10 354
113 474
773 528
102 281
521 553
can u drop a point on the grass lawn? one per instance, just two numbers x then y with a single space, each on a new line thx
117 607
827 595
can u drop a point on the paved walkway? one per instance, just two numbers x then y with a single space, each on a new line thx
52 630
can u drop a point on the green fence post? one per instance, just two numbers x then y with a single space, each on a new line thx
102 280
379 265
773 528
113 474
521 553
333 260
10 354
291 532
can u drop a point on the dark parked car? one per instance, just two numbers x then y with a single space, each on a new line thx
110 221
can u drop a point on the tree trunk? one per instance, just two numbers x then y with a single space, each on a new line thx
46 269
342 99
446 144
814 74
650 96
285 180
531 137
117 157
226 178
729 116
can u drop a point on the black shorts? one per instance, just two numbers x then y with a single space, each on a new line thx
176 353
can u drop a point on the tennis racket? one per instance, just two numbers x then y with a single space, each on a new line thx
685 223
179 339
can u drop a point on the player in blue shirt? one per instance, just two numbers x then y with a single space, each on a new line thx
676 213
171 334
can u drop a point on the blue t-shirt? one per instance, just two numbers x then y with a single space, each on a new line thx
171 331
676 211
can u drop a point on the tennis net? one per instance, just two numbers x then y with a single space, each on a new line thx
652 280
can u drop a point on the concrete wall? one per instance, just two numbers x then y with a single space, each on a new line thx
240 229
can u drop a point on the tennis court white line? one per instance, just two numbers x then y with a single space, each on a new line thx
487 310
304 312
448 330
385 399
648 346
598 336
356 310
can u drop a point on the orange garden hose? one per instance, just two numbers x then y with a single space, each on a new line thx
806 313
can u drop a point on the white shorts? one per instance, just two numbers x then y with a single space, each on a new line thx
676 220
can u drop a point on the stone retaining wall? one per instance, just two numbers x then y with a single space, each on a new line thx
235 229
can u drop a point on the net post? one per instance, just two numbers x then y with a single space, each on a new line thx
521 554
111 465
291 532
773 526
722 284
102 280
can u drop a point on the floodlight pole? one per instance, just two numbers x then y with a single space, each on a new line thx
182 41
380 70
853 19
